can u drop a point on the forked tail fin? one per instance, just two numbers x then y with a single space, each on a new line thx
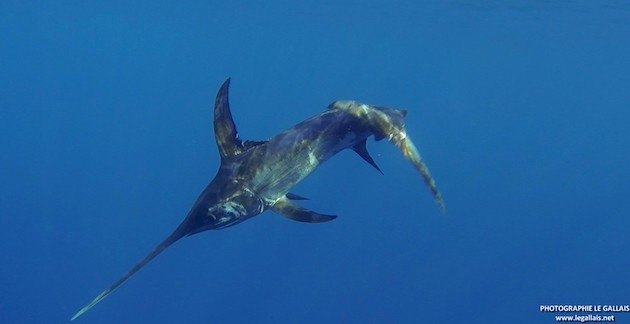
176 235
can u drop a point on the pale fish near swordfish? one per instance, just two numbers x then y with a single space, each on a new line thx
256 176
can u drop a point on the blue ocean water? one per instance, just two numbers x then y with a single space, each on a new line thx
520 109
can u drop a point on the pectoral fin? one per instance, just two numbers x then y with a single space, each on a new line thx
289 210
293 196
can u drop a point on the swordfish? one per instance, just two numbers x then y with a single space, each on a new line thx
255 176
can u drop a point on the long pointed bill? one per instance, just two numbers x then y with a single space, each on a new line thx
176 235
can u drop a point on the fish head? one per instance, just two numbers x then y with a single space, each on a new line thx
226 211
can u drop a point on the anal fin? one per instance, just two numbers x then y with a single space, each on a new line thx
361 149
289 210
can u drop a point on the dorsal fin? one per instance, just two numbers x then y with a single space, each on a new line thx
224 129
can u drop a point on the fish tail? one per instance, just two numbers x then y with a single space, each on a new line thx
389 123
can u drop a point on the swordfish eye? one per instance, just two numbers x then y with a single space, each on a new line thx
217 215
211 216
216 212
226 213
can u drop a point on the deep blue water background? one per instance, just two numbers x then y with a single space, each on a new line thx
520 108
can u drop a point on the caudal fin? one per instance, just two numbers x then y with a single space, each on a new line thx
176 235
